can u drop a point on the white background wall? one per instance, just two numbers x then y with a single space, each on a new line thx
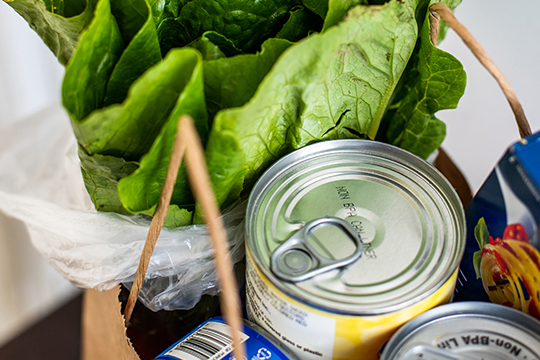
479 131
30 78
483 125
30 75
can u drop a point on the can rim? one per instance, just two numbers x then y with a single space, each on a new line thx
477 309
369 147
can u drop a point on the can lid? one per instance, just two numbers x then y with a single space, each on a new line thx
298 259
467 331
408 217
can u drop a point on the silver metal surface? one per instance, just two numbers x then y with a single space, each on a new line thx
424 352
299 258
467 331
407 215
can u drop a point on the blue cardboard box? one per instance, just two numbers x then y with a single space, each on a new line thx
501 263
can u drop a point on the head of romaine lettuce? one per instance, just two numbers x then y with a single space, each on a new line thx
260 79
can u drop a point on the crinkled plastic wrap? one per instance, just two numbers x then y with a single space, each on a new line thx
41 185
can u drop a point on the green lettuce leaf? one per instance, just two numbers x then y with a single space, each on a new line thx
214 46
434 81
59 27
443 28
101 175
327 86
257 73
130 16
231 82
65 8
177 217
337 9
332 10
246 23
87 74
301 22
319 7
128 130
138 31
140 191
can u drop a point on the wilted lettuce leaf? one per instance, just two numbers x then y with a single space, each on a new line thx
59 29
434 80
141 190
328 86
246 23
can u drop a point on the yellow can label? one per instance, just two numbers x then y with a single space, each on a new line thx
316 334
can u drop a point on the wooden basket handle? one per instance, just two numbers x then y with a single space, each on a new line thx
440 11
188 143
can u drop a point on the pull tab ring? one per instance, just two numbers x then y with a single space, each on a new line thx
297 260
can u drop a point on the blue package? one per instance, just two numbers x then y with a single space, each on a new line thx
212 341
501 263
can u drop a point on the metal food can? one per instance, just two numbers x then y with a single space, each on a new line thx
347 240
467 331
212 340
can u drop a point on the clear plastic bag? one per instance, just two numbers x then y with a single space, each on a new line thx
41 185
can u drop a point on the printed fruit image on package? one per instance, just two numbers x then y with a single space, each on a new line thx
501 263
509 268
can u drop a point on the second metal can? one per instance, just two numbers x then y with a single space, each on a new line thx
346 241
467 331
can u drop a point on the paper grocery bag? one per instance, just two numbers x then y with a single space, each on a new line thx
104 325
103 331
